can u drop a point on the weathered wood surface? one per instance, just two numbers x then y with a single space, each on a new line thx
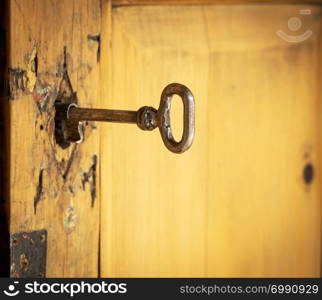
4 150
54 52
238 202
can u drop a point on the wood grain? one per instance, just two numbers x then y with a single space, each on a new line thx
105 89
4 145
319 108
202 2
52 52
236 204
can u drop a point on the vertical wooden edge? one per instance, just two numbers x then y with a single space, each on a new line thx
4 142
105 80
319 110
72 223
319 126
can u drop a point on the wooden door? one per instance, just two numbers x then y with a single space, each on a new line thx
51 51
245 200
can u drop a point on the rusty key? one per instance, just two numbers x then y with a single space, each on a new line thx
146 118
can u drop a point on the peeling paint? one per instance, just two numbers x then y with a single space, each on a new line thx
31 71
27 81
70 219
40 94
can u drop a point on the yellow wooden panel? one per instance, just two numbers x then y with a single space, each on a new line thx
199 2
52 188
236 203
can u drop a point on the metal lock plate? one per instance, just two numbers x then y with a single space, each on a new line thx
28 254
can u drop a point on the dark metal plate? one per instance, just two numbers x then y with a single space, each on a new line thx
28 254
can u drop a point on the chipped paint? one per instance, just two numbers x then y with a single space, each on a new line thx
41 94
27 81
70 219
31 71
